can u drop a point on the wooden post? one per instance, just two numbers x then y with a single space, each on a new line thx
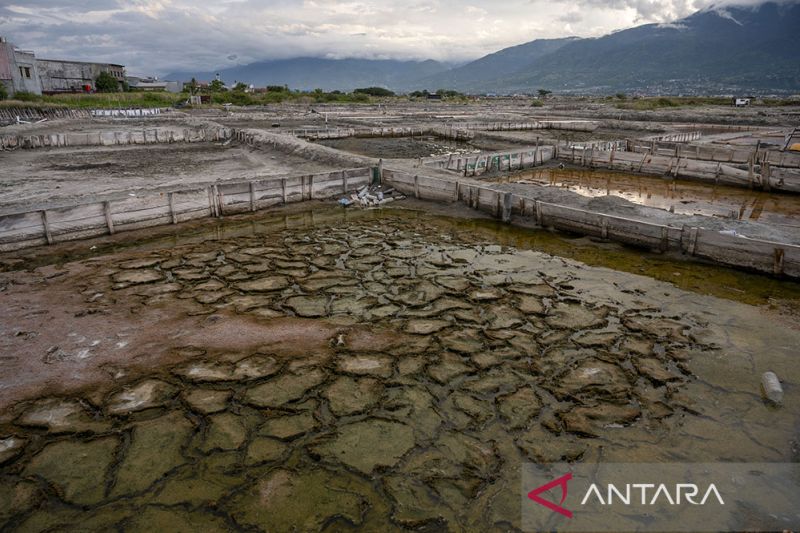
416 186
212 205
311 187
283 190
253 196
46 226
220 201
539 214
380 171
457 193
692 240
507 199
604 227
109 220
173 215
777 267
344 181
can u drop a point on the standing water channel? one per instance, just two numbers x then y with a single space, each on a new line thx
383 370
683 197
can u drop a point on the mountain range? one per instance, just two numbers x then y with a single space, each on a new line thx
718 50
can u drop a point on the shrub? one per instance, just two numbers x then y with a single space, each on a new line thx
374 91
24 96
106 83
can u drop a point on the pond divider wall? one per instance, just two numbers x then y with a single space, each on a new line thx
446 132
156 208
753 254
160 135
720 154
567 125
766 178
480 163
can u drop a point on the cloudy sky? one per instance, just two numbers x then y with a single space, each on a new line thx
158 36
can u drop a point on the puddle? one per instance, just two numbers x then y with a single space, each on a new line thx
440 354
399 147
683 197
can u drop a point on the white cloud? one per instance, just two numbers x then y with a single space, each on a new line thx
156 36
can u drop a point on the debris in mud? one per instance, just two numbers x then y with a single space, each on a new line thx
371 196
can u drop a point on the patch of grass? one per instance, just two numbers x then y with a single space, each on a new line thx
648 104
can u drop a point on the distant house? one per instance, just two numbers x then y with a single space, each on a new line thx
153 84
21 71
59 76
741 102
18 72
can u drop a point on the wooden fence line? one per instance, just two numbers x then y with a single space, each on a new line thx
8 115
754 254
111 138
481 162
109 216
680 137
720 154
570 125
454 133
768 179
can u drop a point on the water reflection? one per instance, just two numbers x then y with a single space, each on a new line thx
682 197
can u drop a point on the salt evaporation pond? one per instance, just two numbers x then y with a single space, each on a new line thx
385 370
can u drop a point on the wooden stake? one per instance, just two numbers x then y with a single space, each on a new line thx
109 220
46 226
173 215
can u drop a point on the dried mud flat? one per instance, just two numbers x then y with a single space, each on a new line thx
384 374
70 175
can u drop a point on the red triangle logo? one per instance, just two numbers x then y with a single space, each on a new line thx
560 482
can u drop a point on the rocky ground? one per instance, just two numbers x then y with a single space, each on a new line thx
388 374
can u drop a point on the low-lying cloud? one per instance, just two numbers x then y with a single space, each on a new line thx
158 36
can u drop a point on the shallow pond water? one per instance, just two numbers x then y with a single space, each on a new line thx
683 197
419 361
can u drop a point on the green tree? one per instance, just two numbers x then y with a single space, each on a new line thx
106 83
216 86
240 87
3 92
543 93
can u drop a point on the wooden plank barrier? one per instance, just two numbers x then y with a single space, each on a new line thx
684 166
160 135
156 208
753 254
